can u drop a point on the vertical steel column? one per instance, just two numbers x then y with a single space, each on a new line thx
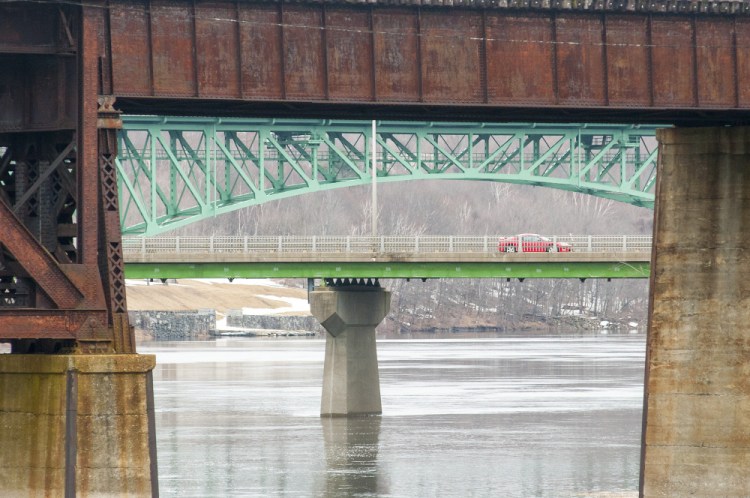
111 262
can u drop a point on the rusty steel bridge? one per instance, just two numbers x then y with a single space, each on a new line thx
70 70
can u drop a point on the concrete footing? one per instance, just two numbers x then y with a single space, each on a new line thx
696 438
77 426
351 384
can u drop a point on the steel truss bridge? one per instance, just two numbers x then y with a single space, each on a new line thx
173 171
421 256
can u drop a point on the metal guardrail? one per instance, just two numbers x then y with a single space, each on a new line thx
388 244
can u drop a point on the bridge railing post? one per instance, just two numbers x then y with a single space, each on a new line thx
244 245
177 244
590 247
624 242
416 244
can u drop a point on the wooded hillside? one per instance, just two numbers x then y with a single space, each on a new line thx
440 207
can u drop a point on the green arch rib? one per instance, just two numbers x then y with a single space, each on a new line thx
173 171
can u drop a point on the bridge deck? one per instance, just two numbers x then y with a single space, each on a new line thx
381 257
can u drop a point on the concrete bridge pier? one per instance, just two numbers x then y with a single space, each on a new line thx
696 437
350 313
75 425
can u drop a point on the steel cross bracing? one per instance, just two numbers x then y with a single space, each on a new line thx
177 170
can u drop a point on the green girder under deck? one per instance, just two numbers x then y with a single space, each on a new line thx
388 270
173 171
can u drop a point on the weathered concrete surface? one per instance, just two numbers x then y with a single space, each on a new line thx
77 423
351 383
696 438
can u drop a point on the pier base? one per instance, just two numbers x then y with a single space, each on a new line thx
696 438
77 426
351 384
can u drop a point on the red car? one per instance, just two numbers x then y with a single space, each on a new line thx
531 242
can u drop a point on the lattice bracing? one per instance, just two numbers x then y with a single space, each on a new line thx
174 171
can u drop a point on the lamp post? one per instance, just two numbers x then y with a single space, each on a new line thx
374 167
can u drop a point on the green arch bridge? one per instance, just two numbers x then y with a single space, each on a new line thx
173 171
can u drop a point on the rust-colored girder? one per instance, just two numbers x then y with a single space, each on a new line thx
167 55
61 267
53 324
37 262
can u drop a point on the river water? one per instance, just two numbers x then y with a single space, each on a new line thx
474 416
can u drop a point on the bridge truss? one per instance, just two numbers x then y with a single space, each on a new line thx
173 171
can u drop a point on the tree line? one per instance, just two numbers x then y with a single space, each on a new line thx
442 207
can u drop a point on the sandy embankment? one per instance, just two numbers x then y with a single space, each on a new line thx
252 296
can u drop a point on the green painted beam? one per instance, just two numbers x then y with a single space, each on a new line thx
173 171
388 270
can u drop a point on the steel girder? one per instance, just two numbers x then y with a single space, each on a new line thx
61 268
175 171
348 269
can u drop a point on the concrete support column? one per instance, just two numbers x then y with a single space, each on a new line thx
696 438
77 426
351 385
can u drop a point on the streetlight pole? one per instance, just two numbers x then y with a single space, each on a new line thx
374 168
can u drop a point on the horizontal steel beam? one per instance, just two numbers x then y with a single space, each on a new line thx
505 269
680 64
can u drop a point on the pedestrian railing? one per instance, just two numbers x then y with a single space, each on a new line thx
387 244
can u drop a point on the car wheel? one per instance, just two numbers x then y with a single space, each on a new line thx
510 248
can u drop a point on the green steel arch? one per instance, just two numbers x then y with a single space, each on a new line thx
173 171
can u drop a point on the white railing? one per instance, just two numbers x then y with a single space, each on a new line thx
388 244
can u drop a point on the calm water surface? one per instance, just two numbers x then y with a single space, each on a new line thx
500 417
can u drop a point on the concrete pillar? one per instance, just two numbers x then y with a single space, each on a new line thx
696 437
77 426
351 385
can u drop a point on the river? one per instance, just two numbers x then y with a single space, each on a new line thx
463 416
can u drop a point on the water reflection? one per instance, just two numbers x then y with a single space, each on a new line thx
351 452
515 417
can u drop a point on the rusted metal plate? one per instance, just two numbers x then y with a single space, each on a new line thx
672 62
628 61
349 51
520 56
532 59
50 324
130 48
173 48
260 42
715 62
304 58
13 93
217 49
452 56
37 93
397 58
580 60
742 31
29 28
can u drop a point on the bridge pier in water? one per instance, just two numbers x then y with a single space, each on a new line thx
696 440
350 313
